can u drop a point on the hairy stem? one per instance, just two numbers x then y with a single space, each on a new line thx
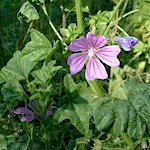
79 15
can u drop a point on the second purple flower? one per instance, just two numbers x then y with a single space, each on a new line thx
90 47
34 111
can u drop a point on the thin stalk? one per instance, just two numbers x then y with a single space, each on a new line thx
50 22
79 15
124 7
110 19
128 140
47 142
28 31
124 32
125 15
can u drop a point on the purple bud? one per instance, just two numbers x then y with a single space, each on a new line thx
127 42
54 107
39 116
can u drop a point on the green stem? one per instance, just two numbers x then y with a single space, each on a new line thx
125 15
110 19
124 32
97 88
47 142
79 15
128 140
50 22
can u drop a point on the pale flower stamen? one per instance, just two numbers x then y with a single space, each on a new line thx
91 52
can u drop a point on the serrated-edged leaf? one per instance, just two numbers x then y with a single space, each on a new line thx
38 48
16 67
3 142
29 11
128 120
23 62
69 84
131 84
142 104
103 113
128 116
77 112
45 73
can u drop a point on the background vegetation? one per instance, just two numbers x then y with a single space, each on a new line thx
46 77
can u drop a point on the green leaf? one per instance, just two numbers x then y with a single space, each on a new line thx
22 63
12 92
69 84
46 73
128 120
129 116
21 144
81 143
27 10
41 1
16 67
38 49
3 142
141 47
2 108
103 113
71 32
78 112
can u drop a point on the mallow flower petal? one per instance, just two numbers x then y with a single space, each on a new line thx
127 42
23 110
95 70
108 55
80 44
76 62
49 113
96 41
27 119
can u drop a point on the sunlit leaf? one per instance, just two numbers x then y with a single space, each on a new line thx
69 84
38 48
78 112
29 11
3 142
45 73
23 62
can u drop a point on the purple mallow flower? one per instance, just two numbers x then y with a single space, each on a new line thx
90 48
32 112
127 42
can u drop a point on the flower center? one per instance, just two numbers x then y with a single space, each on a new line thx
91 52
